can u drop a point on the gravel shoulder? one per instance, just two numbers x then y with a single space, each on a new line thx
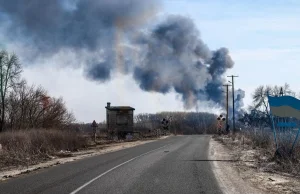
228 177
64 157
238 171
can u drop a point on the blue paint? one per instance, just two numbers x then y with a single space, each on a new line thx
287 124
284 101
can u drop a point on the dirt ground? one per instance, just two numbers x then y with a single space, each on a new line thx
65 156
238 170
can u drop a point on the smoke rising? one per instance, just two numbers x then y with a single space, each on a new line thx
75 24
239 96
176 57
170 56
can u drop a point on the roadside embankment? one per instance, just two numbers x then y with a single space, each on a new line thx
241 167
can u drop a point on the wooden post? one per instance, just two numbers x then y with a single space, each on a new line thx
226 85
233 116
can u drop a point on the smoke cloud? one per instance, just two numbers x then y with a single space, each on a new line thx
169 56
239 96
77 25
176 57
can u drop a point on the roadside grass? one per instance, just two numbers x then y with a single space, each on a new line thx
27 147
262 147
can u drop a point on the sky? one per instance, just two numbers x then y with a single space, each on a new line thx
262 38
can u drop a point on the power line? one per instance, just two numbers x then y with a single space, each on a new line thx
232 82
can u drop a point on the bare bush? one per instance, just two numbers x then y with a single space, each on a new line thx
27 108
31 146
280 160
259 137
25 114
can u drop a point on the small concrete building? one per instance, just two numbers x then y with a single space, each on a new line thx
119 120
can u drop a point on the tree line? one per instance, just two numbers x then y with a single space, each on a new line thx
25 106
180 122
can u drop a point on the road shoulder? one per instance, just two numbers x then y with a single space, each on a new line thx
252 165
227 176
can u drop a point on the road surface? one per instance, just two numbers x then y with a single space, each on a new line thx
173 165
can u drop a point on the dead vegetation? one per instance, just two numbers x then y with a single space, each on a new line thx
32 146
264 150
254 153
102 146
22 148
30 119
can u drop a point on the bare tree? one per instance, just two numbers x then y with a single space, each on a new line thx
10 70
26 108
181 122
260 100
286 90
260 96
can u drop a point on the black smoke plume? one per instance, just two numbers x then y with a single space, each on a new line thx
176 57
91 25
171 55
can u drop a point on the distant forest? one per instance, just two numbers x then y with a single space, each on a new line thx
180 122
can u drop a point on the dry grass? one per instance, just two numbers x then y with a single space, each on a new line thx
32 146
263 145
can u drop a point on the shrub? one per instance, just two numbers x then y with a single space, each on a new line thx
31 146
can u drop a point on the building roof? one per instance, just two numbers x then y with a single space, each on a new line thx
117 108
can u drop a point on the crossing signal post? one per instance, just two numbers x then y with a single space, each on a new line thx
165 125
220 119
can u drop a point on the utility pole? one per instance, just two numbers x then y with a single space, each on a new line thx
232 82
226 85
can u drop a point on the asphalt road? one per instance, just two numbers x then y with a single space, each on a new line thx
173 165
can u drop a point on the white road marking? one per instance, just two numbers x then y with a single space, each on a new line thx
101 175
